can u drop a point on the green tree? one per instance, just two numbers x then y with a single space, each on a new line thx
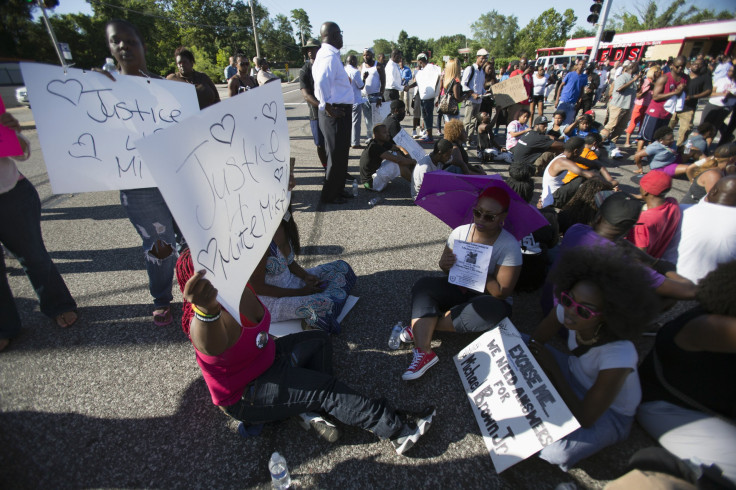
303 27
383 46
647 16
547 30
496 33
410 46
582 32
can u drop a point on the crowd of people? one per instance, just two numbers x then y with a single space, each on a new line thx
607 263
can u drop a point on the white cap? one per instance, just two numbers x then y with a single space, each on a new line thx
482 52
627 62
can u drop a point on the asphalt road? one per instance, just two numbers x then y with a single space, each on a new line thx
115 401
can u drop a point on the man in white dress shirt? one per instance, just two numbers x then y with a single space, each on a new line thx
393 76
332 89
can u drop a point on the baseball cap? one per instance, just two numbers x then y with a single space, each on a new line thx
541 120
621 209
370 50
482 52
656 182
421 56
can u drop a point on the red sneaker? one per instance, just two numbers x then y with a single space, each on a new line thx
419 365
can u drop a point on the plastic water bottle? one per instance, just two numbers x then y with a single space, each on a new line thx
688 147
280 478
374 201
355 188
109 65
394 341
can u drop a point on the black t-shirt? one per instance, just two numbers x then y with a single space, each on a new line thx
307 82
370 159
697 85
530 146
393 125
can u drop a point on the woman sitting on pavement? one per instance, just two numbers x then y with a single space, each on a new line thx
242 80
517 128
662 154
316 295
460 162
603 297
206 91
255 378
439 305
689 394
706 172
20 234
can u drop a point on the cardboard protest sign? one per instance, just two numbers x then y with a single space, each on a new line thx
509 92
404 140
517 408
87 124
9 144
224 174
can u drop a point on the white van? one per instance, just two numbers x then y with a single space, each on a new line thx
556 60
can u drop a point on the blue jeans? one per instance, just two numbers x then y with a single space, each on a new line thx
147 211
569 108
357 113
300 380
368 113
20 234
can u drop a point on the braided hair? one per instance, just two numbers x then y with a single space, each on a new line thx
184 271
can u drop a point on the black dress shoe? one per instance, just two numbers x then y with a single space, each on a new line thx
337 200
347 194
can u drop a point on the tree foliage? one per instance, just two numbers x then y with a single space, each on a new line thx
300 18
549 29
648 15
497 33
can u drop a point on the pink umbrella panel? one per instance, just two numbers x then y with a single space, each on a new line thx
451 197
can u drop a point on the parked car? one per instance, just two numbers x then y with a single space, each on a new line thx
21 95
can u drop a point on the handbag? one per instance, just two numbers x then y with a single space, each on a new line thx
448 103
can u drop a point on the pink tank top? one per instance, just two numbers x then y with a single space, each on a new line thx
228 374
656 108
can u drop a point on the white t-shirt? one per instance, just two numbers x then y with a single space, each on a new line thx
373 82
356 82
724 85
393 75
539 84
613 355
707 238
417 177
426 79
551 183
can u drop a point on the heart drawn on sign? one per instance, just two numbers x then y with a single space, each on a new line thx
70 90
224 130
270 111
207 259
278 173
84 147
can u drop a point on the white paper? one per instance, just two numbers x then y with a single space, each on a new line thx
380 113
517 408
87 124
404 140
471 267
288 327
224 174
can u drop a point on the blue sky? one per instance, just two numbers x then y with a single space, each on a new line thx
386 18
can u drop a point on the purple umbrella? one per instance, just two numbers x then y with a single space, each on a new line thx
451 198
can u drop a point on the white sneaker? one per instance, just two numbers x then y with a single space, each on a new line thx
414 133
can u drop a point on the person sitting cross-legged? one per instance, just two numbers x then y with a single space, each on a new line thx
382 161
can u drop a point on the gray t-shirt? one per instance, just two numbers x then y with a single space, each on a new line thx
624 99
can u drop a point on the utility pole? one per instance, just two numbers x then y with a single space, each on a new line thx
599 34
255 34
51 33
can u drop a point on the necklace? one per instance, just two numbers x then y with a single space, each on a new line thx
581 341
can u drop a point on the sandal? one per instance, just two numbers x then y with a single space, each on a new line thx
163 317
63 321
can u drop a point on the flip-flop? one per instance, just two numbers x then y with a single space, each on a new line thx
163 318
62 321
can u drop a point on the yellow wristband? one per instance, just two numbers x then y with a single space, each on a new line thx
201 313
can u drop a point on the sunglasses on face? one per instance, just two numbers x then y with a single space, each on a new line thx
478 214
580 310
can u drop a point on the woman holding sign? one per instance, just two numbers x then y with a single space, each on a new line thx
146 207
603 298
438 304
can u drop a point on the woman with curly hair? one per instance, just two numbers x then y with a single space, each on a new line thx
582 208
460 162
604 298
689 394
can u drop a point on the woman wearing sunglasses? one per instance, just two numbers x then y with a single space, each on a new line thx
603 298
439 305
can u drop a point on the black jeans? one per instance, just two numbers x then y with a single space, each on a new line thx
336 131
20 234
300 380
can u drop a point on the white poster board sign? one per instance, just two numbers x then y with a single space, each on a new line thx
224 174
517 408
404 140
87 124
379 113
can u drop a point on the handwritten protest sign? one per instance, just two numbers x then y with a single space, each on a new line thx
87 124
408 143
9 144
224 174
509 92
379 113
517 408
